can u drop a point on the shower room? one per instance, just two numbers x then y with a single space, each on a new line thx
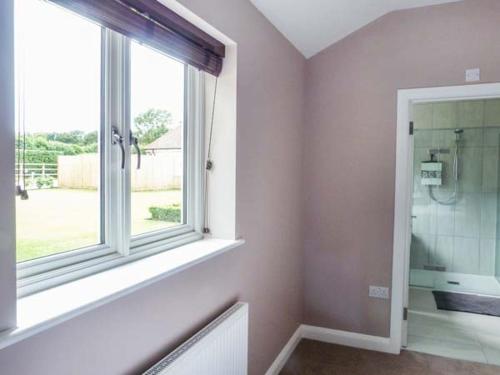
454 252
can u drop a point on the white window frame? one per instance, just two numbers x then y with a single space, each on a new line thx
119 247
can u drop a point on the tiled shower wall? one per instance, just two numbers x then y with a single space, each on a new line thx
460 237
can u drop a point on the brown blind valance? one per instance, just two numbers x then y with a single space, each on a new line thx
151 22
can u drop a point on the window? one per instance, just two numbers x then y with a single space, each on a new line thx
58 125
109 148
157 112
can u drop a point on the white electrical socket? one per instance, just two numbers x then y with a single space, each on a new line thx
379 292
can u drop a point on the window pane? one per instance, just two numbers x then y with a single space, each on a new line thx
157 113
58 57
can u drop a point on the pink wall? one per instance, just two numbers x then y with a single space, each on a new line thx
350 146
126 336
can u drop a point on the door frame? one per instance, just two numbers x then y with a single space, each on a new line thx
403 191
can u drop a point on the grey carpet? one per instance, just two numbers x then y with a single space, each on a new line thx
467 303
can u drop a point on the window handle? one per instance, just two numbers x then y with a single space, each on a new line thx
135 142
117 139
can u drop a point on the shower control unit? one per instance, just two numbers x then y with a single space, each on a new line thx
431 172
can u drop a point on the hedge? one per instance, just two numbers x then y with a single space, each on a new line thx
42 182
171 213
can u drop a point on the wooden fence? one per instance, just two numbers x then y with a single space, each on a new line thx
34 171
160 171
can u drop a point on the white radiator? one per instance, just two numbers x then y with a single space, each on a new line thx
218 349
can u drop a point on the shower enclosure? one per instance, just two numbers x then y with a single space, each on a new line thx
455 214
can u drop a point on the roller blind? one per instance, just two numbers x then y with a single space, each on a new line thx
152 23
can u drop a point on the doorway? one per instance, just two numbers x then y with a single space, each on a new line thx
447 205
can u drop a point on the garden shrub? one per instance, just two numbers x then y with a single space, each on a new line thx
45 148
170 213
47 182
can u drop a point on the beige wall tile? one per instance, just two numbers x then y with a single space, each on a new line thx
444 115
492 137
422 116
470 113
492 112
490 169
466 255
487 256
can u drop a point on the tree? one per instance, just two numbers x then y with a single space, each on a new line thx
151 125
72 137
45 147
90 138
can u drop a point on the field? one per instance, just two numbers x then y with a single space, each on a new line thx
57 220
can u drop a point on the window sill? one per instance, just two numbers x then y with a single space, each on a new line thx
46 309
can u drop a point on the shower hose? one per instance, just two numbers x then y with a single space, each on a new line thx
453 198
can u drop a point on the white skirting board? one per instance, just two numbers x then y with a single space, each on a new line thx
332 336
353 339
285 353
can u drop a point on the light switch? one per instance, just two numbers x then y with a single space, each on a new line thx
473 75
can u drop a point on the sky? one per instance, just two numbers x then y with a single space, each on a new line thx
58 72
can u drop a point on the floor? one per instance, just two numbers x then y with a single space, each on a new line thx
451 334
316 358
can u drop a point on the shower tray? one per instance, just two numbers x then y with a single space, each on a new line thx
455 282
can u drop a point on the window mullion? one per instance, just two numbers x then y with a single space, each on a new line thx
118 188
125 120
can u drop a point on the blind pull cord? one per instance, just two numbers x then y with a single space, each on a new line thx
21 191
18 161
209 164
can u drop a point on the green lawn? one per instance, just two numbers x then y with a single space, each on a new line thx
57 220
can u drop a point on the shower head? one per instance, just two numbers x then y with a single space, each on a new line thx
459 131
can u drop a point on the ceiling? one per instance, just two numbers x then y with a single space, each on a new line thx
312 25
